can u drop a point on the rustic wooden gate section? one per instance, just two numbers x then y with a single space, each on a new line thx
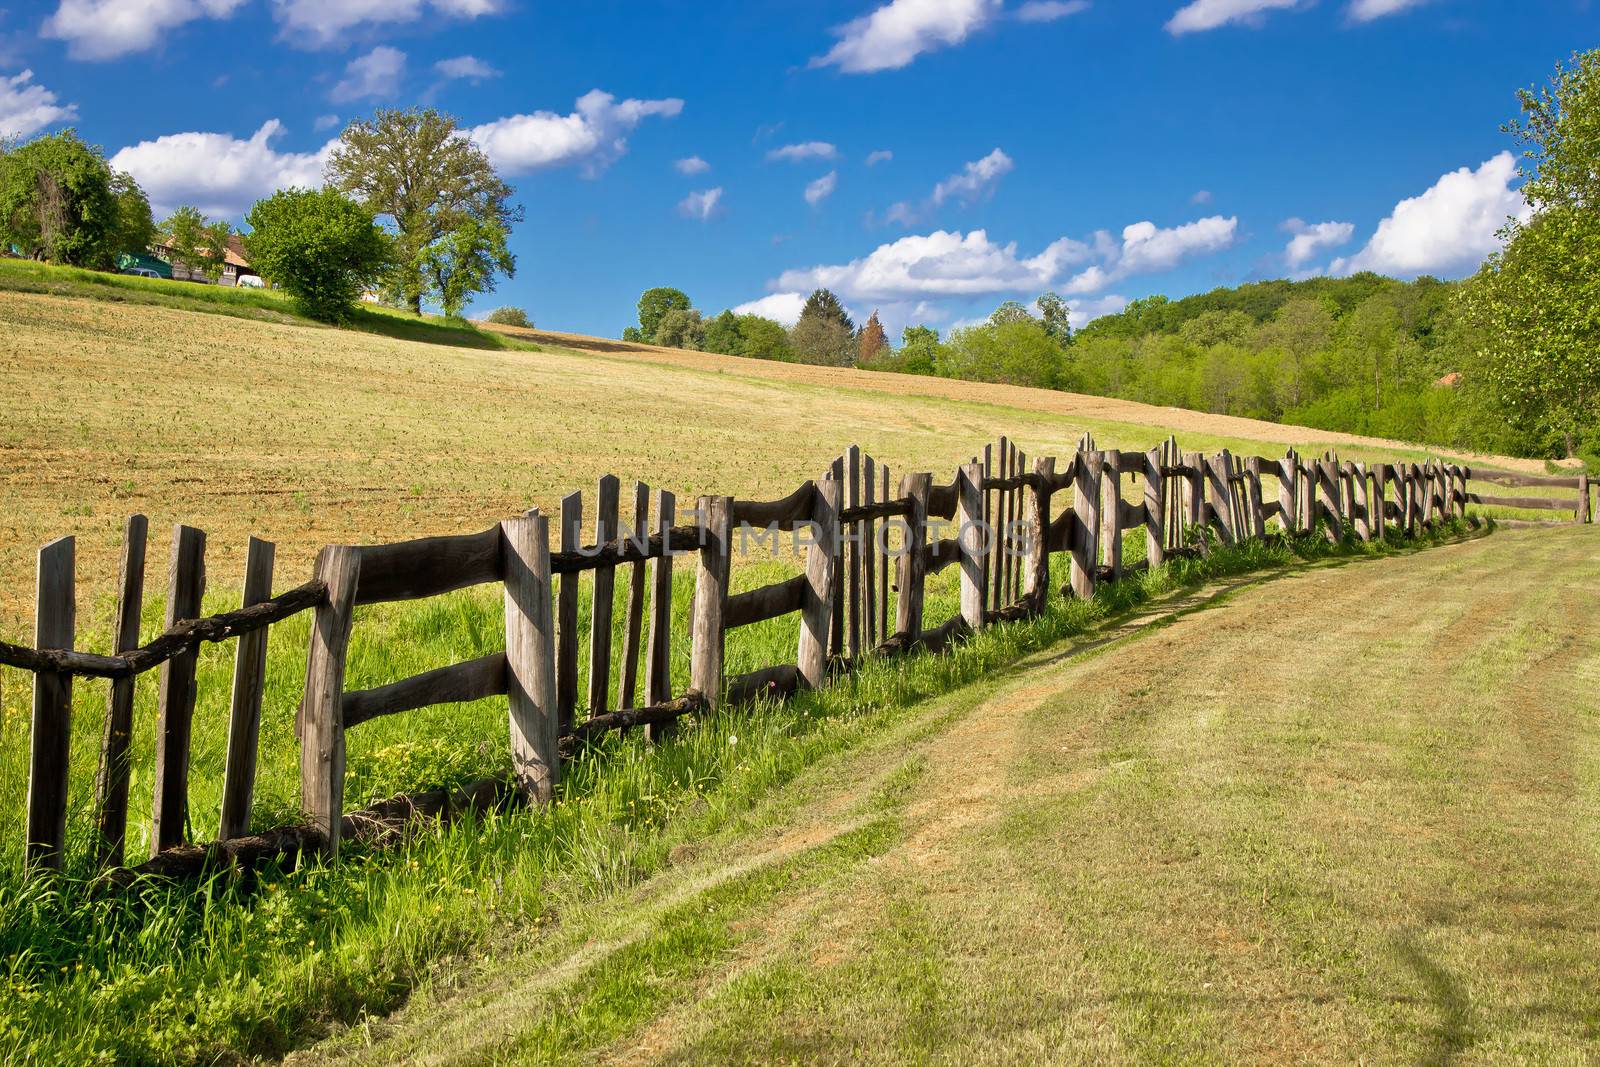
869 553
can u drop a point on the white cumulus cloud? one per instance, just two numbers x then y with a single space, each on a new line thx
467 68
1050 10
217 172
594 136
702 205
374 76
941 263
822 188
1310 238
1367 10
321 23
105 29
974 181
1209 14
799 153
1150 249
692 165
27 108
779 307
882 155
1447 229
898 32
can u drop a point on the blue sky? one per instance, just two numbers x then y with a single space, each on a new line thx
928 158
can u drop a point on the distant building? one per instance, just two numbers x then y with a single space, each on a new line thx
234 265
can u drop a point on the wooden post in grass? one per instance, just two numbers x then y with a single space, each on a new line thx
54 626
1306 476
601 609
176 694
883 563
1253 501
836 628
1086 506
1219 469
867 545
567 615
244 714
975 541
633 624
1582 514
1288 483
1362 504
1194 493
531 656
711 598
1000 531
1036 564
1155 508
816 604
1328 489
658 656
911 567
851 550
1111 513
111 785
322 708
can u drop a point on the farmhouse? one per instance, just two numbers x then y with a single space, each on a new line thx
235 265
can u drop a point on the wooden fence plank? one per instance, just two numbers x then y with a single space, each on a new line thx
658 657
837 626
1111 513
567 615
851 549
883 564
912 564
976 540
458 683
816 607
111 785
1219 470
54 626
868 546
602 608
1155 508
633 626
1086 506
530 668
998 560
244 713
322 708
176 695
1036 565
711 598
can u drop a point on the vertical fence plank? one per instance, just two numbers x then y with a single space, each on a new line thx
1036 565
868 546
852 546
1361 505
628 684
322 709
999 529
1582 513
1219 474
567 615
175 702
1086 506
1194 494
1019 464
658 657
836 627
1287 484
711 597
883 561
1380 493
54 626
602 609
244 713
912 566
975 540
816 606
111 785
1171 456
1155 508
530 656
1254 504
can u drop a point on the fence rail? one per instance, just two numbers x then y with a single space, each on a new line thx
862 593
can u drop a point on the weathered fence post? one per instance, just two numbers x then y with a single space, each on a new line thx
176 694
1328 488
244 716
658 657
535 722
1219 474
602 608
1380 492
868 545
1086 507
911 568
1155 508
1036 565
322 710
1582 514
1194 496
54 626
633 625
836 629
975 541
851 550
816 605
1254 505
711 598
1288 483
567 615
1361 504
1111 512
111 787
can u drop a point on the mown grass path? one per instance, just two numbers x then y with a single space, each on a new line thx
1350 812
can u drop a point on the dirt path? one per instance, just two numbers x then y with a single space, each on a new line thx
1347 813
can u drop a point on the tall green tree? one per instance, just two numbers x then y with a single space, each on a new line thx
1057 318
136 224
763 338
319 245
464 262
653 305
57 203
824 332
197 243
417 169
722 334
680 328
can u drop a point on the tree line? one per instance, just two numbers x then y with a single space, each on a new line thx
411 212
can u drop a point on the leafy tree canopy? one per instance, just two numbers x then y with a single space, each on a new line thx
59 202
655 303
322 247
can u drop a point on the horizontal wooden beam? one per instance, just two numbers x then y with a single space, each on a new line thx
1519 481
456 684
1536 503
428 566
670 711
785 513
768 602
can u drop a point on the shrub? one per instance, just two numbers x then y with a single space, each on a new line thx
320 246
510 316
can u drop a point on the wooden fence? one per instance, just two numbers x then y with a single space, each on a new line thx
869 554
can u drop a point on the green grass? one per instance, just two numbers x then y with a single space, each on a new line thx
28 276
190 974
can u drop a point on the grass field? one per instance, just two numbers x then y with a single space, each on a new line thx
125 396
